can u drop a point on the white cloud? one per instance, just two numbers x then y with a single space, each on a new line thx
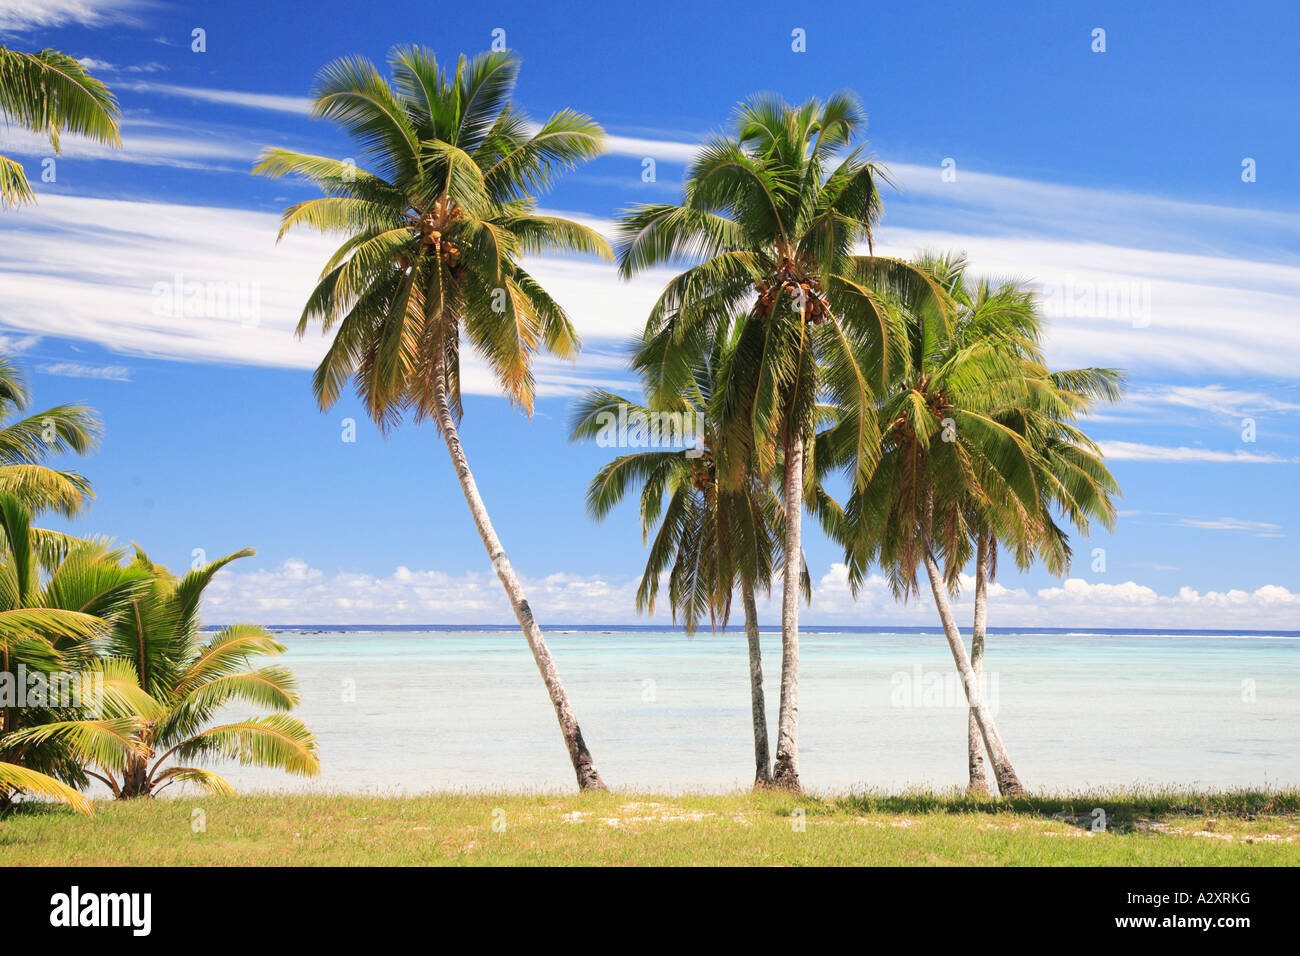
1135 451
103 66
258 101
1191 321
141 144
296 593
17 16
1230 524
112 373
1215 399
104 271
14 345
658 149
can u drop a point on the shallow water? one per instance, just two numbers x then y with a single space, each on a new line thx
412 711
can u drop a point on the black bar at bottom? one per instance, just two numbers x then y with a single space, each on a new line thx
293 905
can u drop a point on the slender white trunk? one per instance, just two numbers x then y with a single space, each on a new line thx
1008 782
979 783
583 766
762 758
786 771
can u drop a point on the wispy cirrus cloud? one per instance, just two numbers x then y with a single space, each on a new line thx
111 373
259 101
637 147
103 66
144 143
1231 524
120 273
1215 399
1137 451
106 246
20 16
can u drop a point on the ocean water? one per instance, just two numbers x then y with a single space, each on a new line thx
411 711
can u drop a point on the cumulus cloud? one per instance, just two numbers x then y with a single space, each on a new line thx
297 593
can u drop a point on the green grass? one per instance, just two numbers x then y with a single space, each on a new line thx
1144 828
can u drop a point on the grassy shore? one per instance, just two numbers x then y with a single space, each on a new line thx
1158 828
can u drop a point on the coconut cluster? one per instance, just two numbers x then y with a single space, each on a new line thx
800 287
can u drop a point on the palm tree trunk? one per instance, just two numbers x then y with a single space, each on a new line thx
762 758
583 765
974 741
9 715
1008 782
786 772
135 780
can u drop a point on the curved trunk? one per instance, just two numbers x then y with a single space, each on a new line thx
979 783
762 759
583 766
786 771
1008 782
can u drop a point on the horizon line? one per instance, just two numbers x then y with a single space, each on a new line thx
1081 630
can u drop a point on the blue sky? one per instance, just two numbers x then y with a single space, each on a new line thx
1117 171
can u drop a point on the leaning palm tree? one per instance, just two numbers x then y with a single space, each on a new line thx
50 93
1073 481
779 223
27 441
710 541
1072 477
944 457
50 617
431 265
181 678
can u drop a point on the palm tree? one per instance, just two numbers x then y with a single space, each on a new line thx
181 679
27 441
431 263
1072 476
944 457
49 93
778 223
50 615
710 540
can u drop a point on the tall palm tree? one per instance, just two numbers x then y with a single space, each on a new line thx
710 540
182 678
779 223
50 615
436 229
27 441
49 93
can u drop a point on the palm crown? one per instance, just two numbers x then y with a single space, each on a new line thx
778 222
709 538
28 440
435 229
50 93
